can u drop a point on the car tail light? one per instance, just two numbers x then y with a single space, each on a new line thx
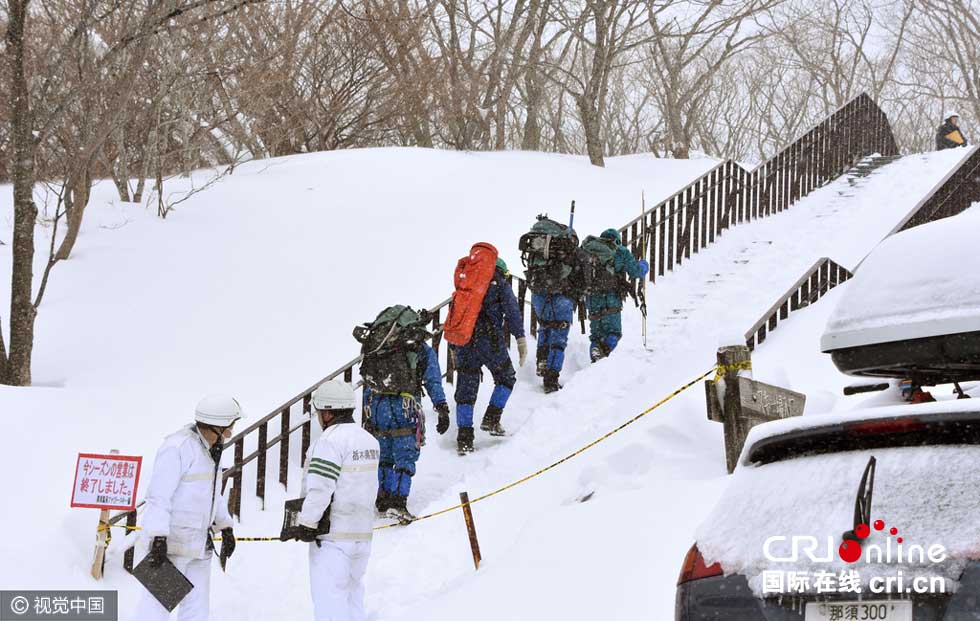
695 569
903 425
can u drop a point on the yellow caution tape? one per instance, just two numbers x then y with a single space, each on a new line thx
723 369
736 367
563 459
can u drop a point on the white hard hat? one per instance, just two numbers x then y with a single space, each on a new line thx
334 395
218 410
951 114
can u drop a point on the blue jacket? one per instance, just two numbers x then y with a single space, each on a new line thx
626 263
500 313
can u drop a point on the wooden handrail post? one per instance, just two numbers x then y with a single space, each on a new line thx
130 554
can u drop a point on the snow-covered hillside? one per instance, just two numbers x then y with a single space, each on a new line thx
253 287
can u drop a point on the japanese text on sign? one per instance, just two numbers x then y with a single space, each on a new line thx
106 481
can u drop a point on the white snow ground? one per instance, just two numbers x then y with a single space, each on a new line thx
253 287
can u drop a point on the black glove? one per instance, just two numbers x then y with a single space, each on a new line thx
305 533
442 425
227 542
158 551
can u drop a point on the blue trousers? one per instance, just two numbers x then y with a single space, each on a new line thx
394 419
606 331
554 313
482 351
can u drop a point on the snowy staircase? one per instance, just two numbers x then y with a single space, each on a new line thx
710 209
859 174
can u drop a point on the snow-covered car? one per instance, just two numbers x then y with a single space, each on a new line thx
913 307
869 514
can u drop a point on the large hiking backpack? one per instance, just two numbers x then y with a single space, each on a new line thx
391 347
548 252
602 256
472 279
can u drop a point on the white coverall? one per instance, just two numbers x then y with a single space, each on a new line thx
342 474
183 501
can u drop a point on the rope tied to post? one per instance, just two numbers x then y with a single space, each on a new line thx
563 459
736 367
724 369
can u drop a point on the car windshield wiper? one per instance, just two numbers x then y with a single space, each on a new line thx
862 504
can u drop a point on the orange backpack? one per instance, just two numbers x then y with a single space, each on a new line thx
472 279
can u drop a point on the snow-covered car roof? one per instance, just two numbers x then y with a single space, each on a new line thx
919 283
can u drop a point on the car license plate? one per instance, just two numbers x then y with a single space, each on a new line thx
862 611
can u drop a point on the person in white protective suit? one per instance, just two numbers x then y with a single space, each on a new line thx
341 483
184 503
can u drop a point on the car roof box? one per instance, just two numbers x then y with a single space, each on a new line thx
913 306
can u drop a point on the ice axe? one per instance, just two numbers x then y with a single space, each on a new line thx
642 285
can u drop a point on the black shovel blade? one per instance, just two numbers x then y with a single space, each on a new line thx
164 582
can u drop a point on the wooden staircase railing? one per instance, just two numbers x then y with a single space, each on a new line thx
823 276
676 228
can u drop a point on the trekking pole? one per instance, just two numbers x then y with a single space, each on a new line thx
571 218
643 279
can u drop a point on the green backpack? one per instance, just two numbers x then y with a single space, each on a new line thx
391 350
548 252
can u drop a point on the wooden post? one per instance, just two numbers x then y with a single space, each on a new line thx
130 554
101 538
732 361
471 528
236 491
305 438
744 402
284 449
260 475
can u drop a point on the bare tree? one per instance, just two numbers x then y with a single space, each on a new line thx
65 46
689 51
599 34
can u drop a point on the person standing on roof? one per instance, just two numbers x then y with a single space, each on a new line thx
949 135
613 265
397 363
341 485
184 505
498 315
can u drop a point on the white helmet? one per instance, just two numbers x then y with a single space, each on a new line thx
218 410
334 395
951 114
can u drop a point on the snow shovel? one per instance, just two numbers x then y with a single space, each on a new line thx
164 582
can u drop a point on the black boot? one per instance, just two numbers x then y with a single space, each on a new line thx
491 421
398 510
464 440
598 351
542 356
551 381
383 502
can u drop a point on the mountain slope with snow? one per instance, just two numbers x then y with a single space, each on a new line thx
250 286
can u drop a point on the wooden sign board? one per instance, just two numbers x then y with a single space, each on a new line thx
761 403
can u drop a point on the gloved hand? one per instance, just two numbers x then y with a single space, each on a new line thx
521 351
442 425
227 542
305 533
158 551
644 267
